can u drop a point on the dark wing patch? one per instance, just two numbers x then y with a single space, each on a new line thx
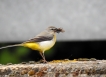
40 39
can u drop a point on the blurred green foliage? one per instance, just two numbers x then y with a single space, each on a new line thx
18 54
12 55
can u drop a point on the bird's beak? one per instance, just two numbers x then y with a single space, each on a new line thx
58 30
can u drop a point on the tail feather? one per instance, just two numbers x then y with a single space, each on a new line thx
10 46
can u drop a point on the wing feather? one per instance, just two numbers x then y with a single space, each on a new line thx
40 39
43 36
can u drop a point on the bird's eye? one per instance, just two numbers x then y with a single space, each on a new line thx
52 29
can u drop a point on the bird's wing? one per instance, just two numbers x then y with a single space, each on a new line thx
44 36
40 39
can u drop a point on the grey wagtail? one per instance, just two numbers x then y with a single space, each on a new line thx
42 42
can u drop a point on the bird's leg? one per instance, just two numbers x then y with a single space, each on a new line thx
43 56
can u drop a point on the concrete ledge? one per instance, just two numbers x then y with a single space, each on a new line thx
64 68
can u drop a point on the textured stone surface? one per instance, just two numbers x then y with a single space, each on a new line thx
63 68
81 19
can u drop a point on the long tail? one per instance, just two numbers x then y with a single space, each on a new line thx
10 46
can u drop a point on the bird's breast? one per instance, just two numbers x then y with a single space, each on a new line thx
46 45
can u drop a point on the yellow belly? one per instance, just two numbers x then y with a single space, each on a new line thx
34 46
41 46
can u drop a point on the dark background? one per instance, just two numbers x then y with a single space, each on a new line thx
61 50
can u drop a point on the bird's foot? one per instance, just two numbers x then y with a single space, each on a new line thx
43 61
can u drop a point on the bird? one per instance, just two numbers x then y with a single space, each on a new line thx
41 42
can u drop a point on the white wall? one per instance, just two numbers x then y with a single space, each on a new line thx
81 19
